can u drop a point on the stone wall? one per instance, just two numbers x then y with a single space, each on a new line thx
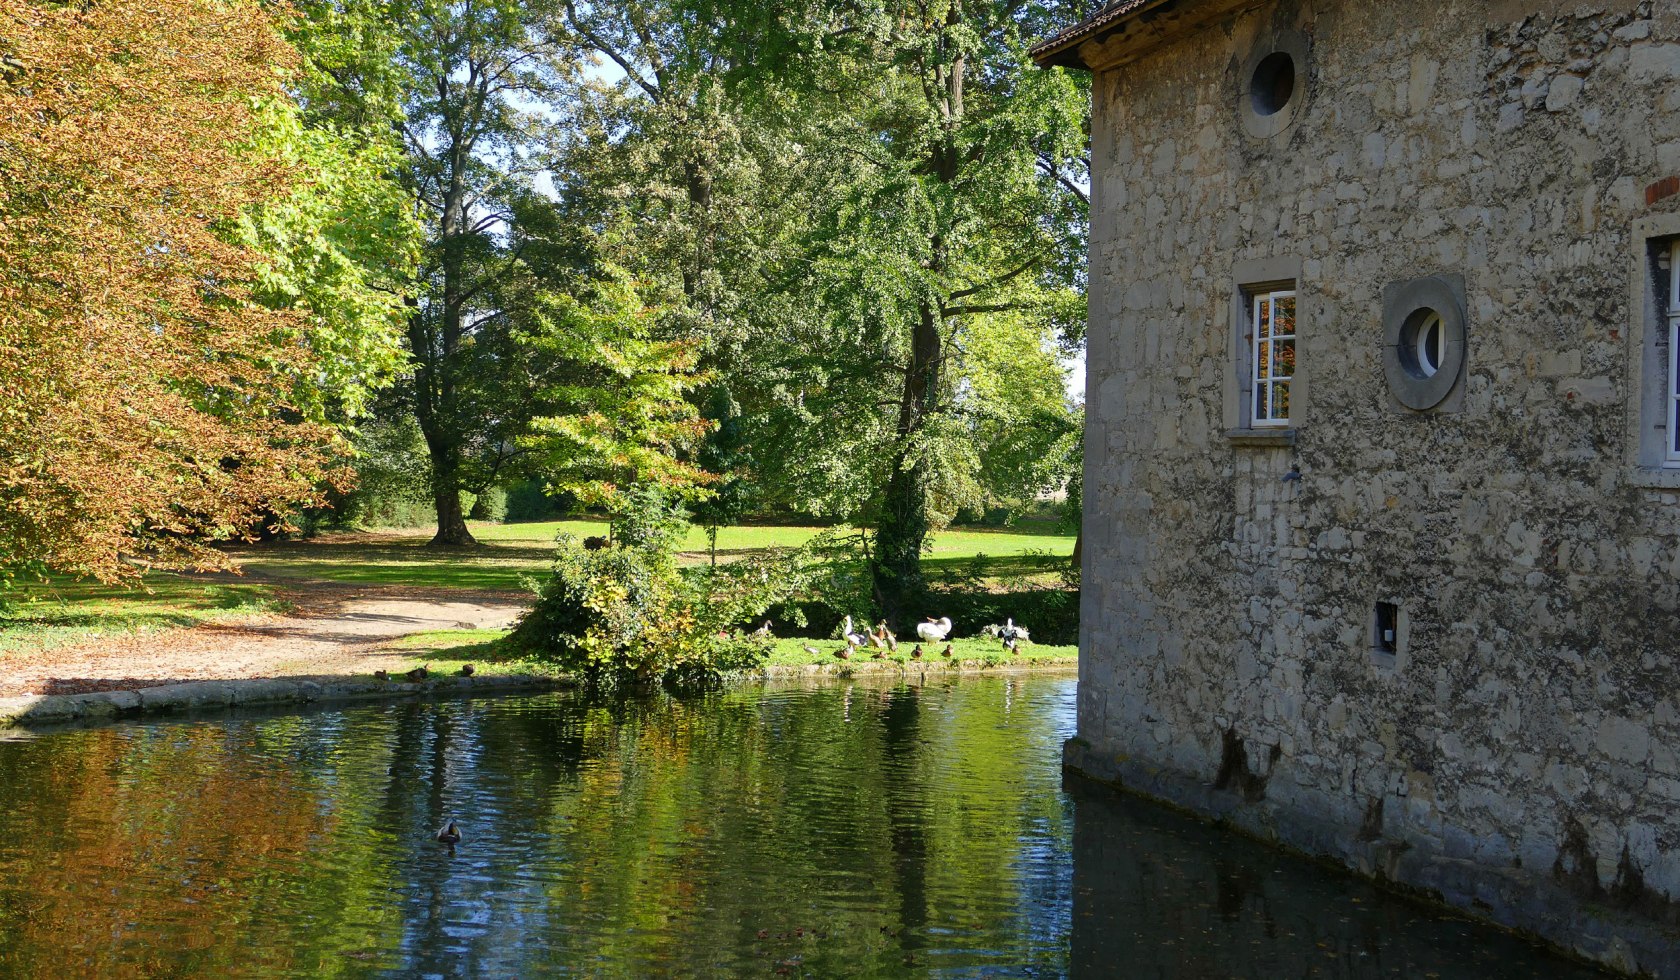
1521 756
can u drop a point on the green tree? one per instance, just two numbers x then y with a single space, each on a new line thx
939 277
150 403
482 78
615 399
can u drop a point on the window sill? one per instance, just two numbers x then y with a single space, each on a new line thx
1658 477
1260 437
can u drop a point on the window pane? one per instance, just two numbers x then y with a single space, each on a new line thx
1674 428
1283 358
1263 317
1260 397
1283 313
1280 400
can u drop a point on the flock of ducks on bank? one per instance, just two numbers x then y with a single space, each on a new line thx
422 672
931 632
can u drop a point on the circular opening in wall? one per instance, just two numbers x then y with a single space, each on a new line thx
1423 341
1273 84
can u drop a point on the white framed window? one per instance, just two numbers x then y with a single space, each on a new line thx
1272 358
1671 323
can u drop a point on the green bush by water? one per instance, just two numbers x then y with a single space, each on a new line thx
630 613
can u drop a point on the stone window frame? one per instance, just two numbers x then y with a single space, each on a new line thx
1274 41
1407 306
1653 351
1249 278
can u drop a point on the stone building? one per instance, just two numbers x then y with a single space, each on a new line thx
1382 544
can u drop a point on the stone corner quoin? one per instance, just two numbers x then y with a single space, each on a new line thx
1438 644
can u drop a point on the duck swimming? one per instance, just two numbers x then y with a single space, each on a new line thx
450 834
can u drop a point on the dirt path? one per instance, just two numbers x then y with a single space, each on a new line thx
332 629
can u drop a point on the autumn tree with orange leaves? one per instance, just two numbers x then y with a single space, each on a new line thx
146 397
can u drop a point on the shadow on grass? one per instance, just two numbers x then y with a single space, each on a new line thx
115 621
410 562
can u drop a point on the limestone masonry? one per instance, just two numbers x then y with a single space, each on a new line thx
1382 544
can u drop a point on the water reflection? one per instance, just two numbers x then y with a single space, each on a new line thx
836 831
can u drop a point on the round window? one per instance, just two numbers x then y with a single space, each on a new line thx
1273 84
1423 340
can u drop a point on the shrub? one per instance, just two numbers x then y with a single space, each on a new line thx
491 505
528 500
1052 614
630 613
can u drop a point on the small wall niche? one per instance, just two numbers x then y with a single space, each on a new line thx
1388 634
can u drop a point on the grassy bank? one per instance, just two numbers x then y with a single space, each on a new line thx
446 651
792 652
61 612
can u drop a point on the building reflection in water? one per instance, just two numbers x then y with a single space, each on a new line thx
1159 894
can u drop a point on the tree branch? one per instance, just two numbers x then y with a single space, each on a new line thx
1024 267
947 312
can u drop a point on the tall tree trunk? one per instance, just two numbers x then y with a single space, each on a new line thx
435 347
904 515
452 529
904 520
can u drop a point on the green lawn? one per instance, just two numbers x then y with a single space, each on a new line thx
447 651
62 611
511 552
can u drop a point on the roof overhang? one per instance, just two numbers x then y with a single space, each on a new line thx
1126 29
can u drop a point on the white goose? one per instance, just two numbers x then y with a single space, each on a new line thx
934 630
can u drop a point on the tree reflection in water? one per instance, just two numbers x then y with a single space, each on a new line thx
841 830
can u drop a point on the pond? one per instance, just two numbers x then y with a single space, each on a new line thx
841 830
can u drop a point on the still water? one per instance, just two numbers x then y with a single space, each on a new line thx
847 830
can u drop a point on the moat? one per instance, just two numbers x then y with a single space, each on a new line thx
842 830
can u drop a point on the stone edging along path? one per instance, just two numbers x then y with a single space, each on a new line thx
194 696
204 696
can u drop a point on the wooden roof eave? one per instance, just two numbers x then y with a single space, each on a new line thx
1126 31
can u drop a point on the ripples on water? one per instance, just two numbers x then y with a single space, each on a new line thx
831 831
